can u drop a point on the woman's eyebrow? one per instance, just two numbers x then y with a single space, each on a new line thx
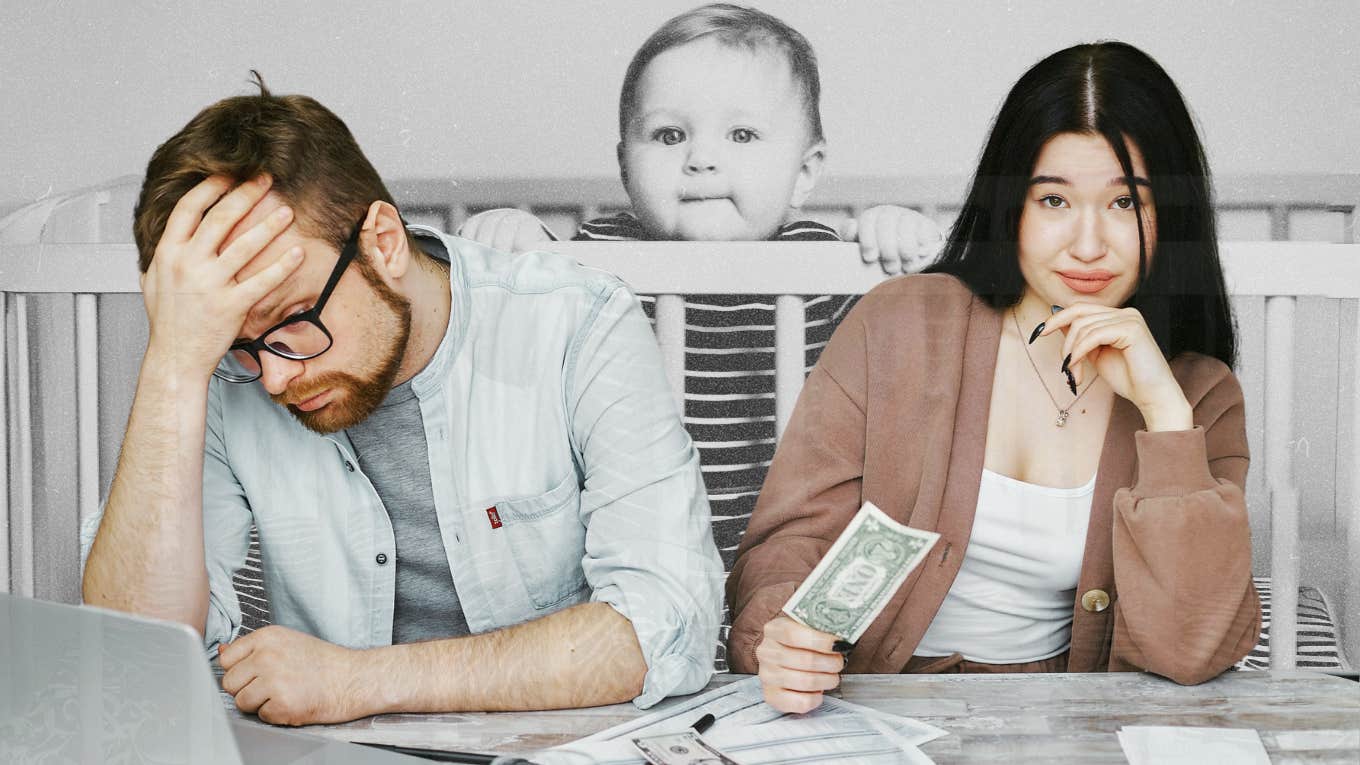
1123 180
1130 180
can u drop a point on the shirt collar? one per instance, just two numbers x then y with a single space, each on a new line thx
444 247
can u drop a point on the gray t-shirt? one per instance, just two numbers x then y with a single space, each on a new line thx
391 448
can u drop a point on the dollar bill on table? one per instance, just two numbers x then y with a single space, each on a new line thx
859 574
684 748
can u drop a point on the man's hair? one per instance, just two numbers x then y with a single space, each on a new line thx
734 26
316 165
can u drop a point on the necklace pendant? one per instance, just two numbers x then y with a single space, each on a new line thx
1062 417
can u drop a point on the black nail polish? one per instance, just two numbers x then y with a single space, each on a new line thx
1054 308
842 647
1067 361
1071 382
1035 334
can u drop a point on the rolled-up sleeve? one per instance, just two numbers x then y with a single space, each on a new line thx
649 546
226 531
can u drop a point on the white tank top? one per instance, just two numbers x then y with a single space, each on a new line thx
1012 600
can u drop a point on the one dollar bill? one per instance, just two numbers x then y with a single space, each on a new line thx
684 748
859 574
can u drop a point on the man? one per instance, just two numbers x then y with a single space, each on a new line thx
470 481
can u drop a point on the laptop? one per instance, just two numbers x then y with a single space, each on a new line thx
84 684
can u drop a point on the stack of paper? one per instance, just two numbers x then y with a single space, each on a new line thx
751 732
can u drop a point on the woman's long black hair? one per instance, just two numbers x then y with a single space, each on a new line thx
1114 90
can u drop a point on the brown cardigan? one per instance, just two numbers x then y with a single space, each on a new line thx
895 412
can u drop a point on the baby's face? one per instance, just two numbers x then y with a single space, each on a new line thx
716 144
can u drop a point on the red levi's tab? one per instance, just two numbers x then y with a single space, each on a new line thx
494 517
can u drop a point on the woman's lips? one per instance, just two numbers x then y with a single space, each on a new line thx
1086 282
315 402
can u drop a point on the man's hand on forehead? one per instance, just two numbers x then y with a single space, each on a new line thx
267 204
204 277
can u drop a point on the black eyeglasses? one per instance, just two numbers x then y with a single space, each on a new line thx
300 336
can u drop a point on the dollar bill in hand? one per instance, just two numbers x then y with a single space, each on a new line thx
859 574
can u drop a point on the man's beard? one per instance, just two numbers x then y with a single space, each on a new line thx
354 398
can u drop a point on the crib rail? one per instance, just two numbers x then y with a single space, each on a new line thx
1250 207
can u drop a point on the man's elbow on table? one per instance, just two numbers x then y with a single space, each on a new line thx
618 640
96 591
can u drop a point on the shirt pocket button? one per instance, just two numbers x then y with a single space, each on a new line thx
381 559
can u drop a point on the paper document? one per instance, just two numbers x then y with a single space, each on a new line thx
751 732
1170 745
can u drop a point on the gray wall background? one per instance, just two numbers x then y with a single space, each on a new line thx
530 87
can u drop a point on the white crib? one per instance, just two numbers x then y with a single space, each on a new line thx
74 332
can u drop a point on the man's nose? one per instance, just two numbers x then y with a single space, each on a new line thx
277 372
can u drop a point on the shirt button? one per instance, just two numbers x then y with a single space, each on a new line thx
382 559
349 466
1095 601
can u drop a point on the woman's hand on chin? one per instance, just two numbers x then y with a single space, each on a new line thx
1122 350
797 664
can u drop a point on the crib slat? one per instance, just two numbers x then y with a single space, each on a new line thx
1284 501
1279 223
1284 578
21 435
87 406
790 322
1350 628
670 335
4 442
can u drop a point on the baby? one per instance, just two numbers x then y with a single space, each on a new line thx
721 140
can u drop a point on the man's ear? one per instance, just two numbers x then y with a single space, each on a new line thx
384 241
808 174
623 166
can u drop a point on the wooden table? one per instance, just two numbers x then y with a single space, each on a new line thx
1303 717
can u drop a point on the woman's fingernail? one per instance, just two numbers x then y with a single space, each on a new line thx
1071 382
1054 308
1035 334
842 647
1067 361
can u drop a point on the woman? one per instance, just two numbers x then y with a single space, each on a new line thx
1054 397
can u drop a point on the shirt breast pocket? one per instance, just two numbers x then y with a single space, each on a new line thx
547 540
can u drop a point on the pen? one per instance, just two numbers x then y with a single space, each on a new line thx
444 756
703 723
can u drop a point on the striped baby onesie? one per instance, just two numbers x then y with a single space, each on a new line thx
729 377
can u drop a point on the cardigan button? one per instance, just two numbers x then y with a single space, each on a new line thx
1095 601
381 559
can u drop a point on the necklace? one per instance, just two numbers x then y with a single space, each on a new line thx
1062 413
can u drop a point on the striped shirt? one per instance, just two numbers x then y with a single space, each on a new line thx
729 376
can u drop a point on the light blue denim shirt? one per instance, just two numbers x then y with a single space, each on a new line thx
561 473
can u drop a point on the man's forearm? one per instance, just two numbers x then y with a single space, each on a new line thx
583 656
147 557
